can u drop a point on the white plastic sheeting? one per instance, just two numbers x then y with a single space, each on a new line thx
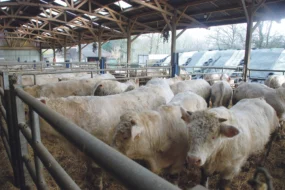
221 58
280 63
183 57
263 59
157 56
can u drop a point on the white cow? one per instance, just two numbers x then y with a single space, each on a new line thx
200 87
221 94
53 78
212 78
275 81
110 87
221 140
87 76
189 101
274 97
159 138
83 87
100 114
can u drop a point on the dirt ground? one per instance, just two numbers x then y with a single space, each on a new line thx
6 172
77 168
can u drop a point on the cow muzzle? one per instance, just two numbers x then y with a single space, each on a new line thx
193 160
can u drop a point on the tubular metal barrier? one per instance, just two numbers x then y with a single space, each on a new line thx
19 134
125 170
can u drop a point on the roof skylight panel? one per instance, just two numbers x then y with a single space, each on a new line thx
90 16
123 4
52 12
43 15
62 3
102 11
36 21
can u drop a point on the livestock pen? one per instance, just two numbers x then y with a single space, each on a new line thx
62 170
17 133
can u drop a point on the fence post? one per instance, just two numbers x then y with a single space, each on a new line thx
22 145
7 101
14 140
35 79
36 135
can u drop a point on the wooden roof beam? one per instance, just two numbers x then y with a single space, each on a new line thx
184 15
122 16
164 15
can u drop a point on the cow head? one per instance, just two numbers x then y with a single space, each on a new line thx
206 134
127 134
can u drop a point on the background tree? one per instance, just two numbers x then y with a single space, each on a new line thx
227 37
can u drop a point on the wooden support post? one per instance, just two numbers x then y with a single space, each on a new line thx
247 46
129 47
79 47
40 52
64 49
100 44
173 41
249 13
54 59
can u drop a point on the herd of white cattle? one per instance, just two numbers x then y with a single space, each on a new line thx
169 122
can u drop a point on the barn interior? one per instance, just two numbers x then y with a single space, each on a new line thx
41 25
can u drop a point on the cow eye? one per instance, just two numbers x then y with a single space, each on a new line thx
213 137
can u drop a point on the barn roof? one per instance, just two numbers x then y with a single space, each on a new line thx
58 22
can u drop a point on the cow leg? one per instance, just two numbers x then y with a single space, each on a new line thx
224 184
94 175
208 101
204 178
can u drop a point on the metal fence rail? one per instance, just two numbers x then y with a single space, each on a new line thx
19 133
126 73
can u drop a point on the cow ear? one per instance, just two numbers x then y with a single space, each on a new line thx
229 131
133 122
43 101
185 115
136 132
222 120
